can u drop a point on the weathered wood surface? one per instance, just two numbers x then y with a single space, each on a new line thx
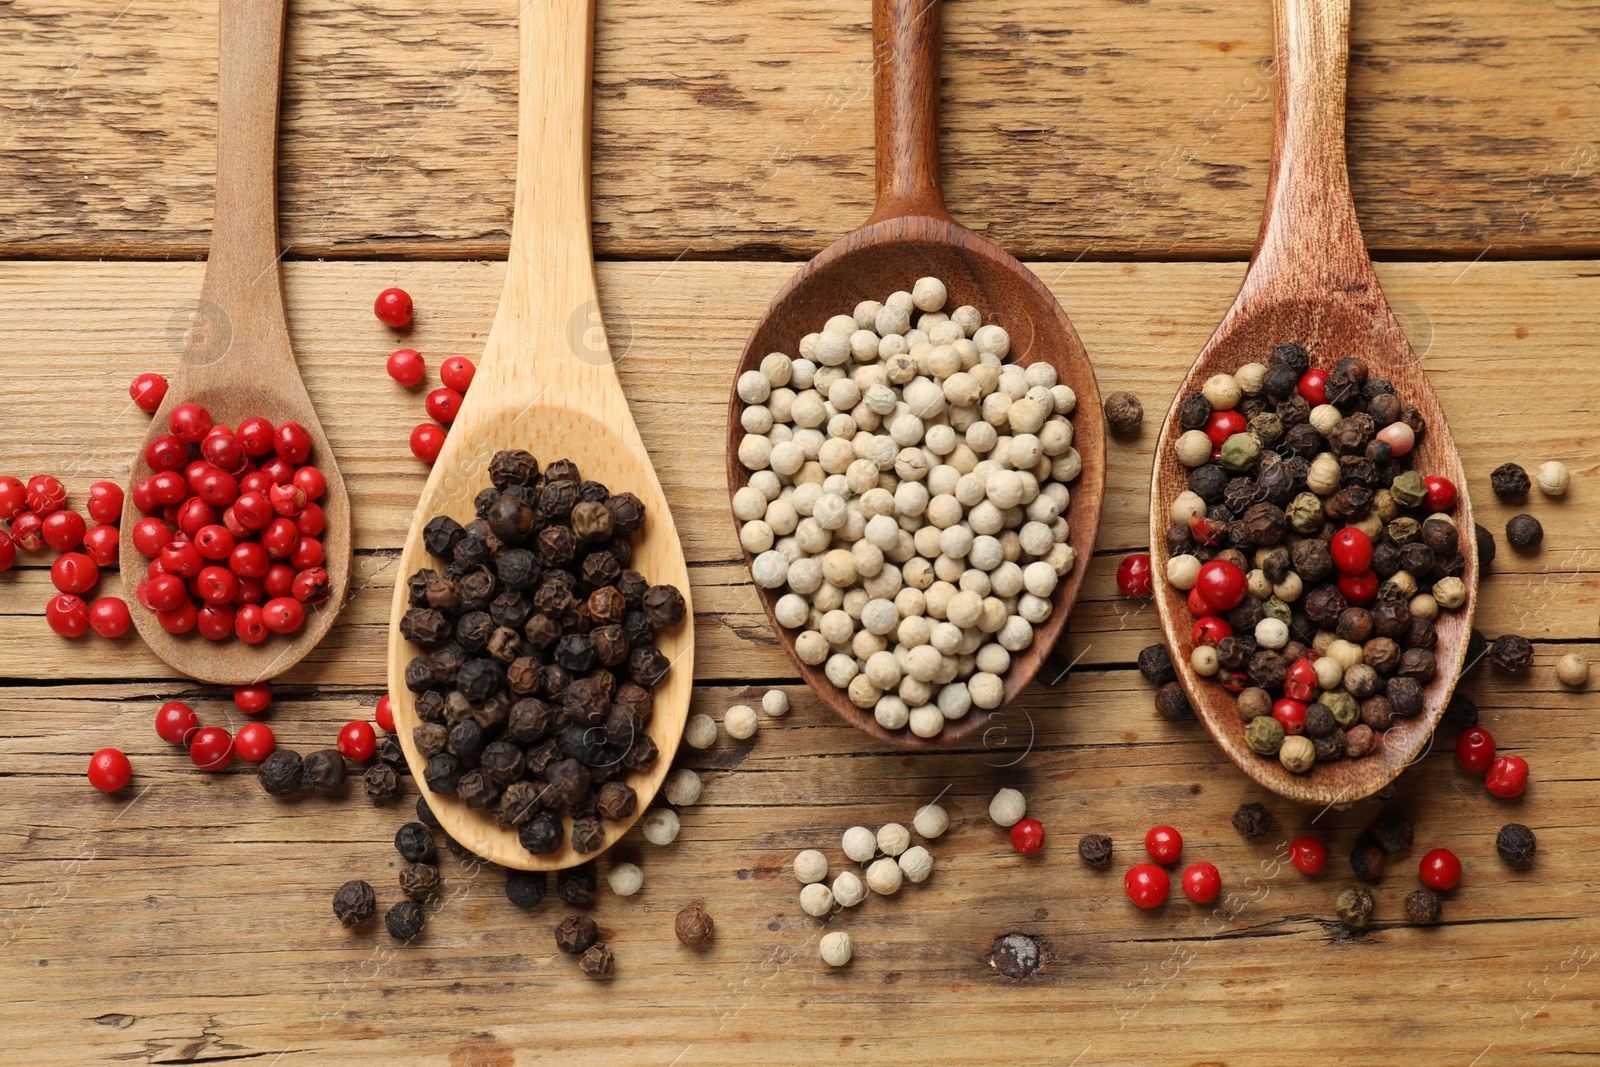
1104 129
189 920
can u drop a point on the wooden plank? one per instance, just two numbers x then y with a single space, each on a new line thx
1130 130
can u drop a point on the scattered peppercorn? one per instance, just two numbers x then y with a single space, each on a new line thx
282 773
596 962
1155 664
1367 860
1392 831
576 885
1124 413
1524 532
1172 704
1354 907
324 770
405 920
525 889
1423 907
381 782
414 841
1516 844
1510 482
1252 820
693 924
1095 849
1511 653
575 934
419 881
354 902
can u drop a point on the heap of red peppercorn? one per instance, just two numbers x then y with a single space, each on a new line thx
1147 884
39 519
232 527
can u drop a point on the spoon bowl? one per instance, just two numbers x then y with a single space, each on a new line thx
911 235
237 361
547 384
1311 281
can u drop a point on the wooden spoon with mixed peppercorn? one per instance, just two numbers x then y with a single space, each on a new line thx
547 386
1311 283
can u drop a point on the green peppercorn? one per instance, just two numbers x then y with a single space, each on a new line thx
1409 490
1264 735
1346 711
1354 907
1239 452
1305 513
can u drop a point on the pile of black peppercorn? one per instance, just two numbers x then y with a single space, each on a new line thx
538 656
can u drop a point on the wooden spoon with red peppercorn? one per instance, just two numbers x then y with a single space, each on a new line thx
1311 281
547 384
237 361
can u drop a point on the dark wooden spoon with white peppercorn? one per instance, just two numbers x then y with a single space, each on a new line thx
909 235
1311 282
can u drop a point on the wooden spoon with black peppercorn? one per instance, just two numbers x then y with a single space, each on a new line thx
910 234
1311 282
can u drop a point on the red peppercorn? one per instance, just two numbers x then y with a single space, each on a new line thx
1440 870
181 619
256 435
109 770
248 625
406 367
1209 630
217 585
1199 606
254 511
279 537
287 500
27 530
45 494
1164 844
252 699
150 536
357 741
249 560
1507 778
1351 550
279 470
1313 386
251 591
1300 682
279 580
426 441
1134 577
181 558
255 742
214 542
13 497
176 722
283 615
393 308
457 372
1441 493
8 552
100 543
1475 749
293 444
1223 425
1221 584
195 515
1201 882
215 621
1146 885
1308 854
307 554
148 391
166 591
74 572
189 422
218 488
311 521
67 615
312 481
168 487
1027 836
310 586
223 451
62 530
443 405
384 714
211 748
1358 588
1291 715
104 503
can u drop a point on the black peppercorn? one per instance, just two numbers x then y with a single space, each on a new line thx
1516 844
1094 849
1155 664
282 773
1485 541
641 755
523 677
417 587
477 790
1416 664
405 920
425 814
419 881
478 679
541 834
473 630
616 800
558 545
1381 654
576 885
466 741
519 802
587 835
1510 482
446 663
1319 721
419 675
1292 355
1279 382
440 535
1252 820
1324 605
569 781
431 706
1172 704
1405 696
414 841
525 889
324 770
442 772
430 739
1377 713
1524 532
597 961
381 782
1293 410
1329 747
648 665
1367 859
1124 413
575 934
1312 560
575 652
1423 907
425 626
1194 411
1511 653
354 903
1392 831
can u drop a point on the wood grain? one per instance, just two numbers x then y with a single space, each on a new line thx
1102 129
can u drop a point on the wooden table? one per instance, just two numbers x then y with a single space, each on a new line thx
1121 146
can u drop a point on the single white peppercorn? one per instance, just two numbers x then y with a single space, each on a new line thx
893 839
1272 633
931 821
810 866
1571 669
884 876
660 826
1204 661
916 863
1423 606
700 731
741 722
1193 448
1183 572
1222 391
625 879
986 689
835 948
891 712
1297 754
848 889
860 844
928 294
682 787
1553 478
1008 807
816 900
775 702
1450 593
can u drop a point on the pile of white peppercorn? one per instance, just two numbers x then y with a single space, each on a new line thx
906 503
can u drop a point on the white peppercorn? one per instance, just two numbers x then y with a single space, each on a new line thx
884 876
1272 633
1193 448
1553 478
1571 669
931 821
986 690
625 879
916 863
925 720
1423 606
1450 592
893 839
891 712
835 948
810 866
1222 391
816 900
1204 661
1297 754
848 889
682 787
775 702
700 731
1008 807
741 722
660 826
860 844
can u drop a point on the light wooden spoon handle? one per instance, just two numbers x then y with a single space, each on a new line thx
243 286
1309 229
905 65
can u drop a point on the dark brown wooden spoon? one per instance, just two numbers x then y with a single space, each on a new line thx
237 361
910 235
1311 281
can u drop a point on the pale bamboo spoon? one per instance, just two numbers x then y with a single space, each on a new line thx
909 235
1311 281
237 361
547 384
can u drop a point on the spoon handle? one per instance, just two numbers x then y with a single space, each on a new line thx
1309 229
242 296
905 80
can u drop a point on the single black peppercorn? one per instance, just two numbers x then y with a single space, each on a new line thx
1124 413
648 665
354 903
642 755
477 790
587 835
1319 721
525 889
1485 541
1354 906
446 663
1252 820
324 770
419 881
1292 355
1423 907
512 466
576 885
693 925
381 782
1524 532
575 652
425 814
440 535
1516 844
1510 482
575 934
615 801
1392 831
1172 704
478 679
1461 713
1405 694
1155 664
466 742
282 773
414 841
510 609
1194 411
1095 849
663 605
1511 653
405 920
541 834
1367 860
597 962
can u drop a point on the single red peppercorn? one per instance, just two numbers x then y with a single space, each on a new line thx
104 503
1291 715
1358 588
307 553
1475 749
279 580
1201 882
384 714
253 699
1027 836
393 308
1223 425
279 537
278 470
217 584
257 481
1146 885
310 586
224 452
74 572
426 441
13 497
251 591
214 542
1134 577
63 530
150 536
168 487
1351 550
27 530
1209 630
249 560
109 770
218 488
254 511
248 625
67 615
1313 386
312 481
406 367
1507 777
1441 493
357 741
1199 606
189 422
311 521
8 552
1440 870
283 615
287 500
1308 854
109 617
293 444
45 494
1300 682
100 543
166 591
211 748
255 742
181 619
443 405
1221 584
457 372
195 515
176 722
181 558
148 391
1164 844
215 621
